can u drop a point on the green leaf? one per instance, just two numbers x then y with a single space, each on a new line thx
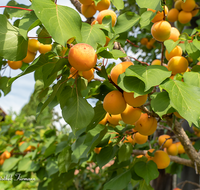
124 152
144 186
113 54
10 163
50 150
34 166
156 4
170 44
160 103
185 99
192 50
28 22
92 35
126 21
196 43
43 36
146 18
119 182
192 78
77 112
24 164
119 4
3 85
12 46
61 22
148 171
51 167
106 154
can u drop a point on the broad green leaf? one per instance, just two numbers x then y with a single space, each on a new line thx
185 99
3 85
119 182
119 4
170 44
34 166
192 78
12 45
124 152
77 112
92 35
146 18
196 43
61 22
160 103
51 166
132 84
156 4
50 150
152 75
196 68
28 22
24 164
192 50
144 186
148 171
106 154
64 160
126 21
61 146
43 36
10 163
114 54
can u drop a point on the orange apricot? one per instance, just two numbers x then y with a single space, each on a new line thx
172 149
102 5
30 56
144 41
164 138
45 48
135 102
130 115
33 45
88 10
173 15
174 35
104 13
114 119
156 62
149 45
119 69
114 102
97 150
181 149
129 139
161 158
188 5
177 4
19 132
177 64
195 11
161 30
93 22
152 41
184 17
148 156
73 72
178 115
146 125
107 41
82 57
89 75
1 161
6 155
104 120
14 64
177 51
86 2
159 15
140 139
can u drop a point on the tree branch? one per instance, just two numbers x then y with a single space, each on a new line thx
118 46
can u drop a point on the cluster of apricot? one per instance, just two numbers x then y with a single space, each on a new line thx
33 46
5 155
183 11
148 43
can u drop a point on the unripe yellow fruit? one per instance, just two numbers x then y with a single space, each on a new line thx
144 41
177 4
104 13
14 64
45 48
174 35
30 56
33 45
140 139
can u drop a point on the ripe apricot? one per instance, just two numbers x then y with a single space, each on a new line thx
177 51
177 4
45 48
146 125
195 12
114 102
104 13
19 132
181 149
172 15
73 72
14 64
86 2
144 41
114 119
33 45
130 139
5 155
102 5
161 158
119 69
1 161
135 102
184 17
107 41
104 120
188 5
89 75
161 30
82 57
140 139
97 150
30 56
174 35
148 156
156 62
162 139
149 45
130 115
178 115
172 149
152 41
177 64
88 10
159 15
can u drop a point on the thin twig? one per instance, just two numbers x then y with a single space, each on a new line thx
131 43
144 63
12 7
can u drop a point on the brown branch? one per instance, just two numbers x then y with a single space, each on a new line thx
118 46
145 110
131 43
182 184
162 53
118 88
143 63
185 141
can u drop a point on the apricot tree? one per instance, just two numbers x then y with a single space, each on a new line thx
135 100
